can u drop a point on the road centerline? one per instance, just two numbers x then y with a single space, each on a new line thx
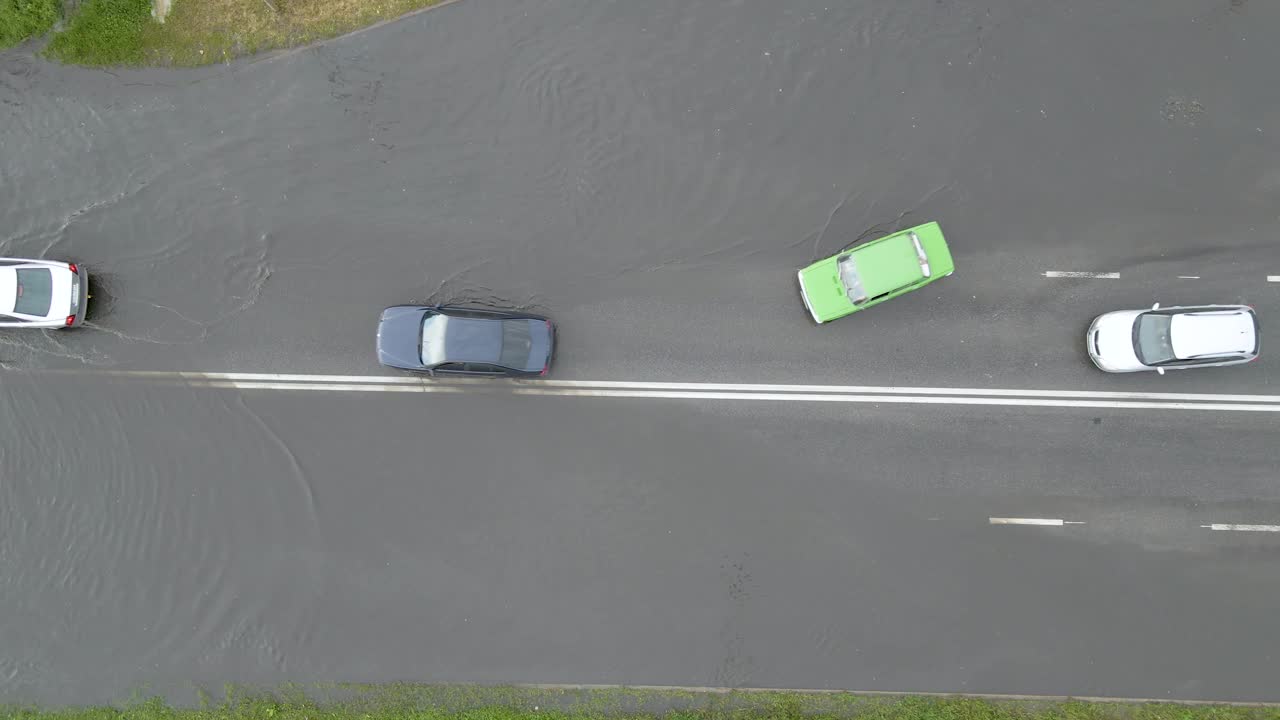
234 379
770 392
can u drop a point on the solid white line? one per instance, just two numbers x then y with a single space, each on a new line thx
263 377
1188 277
1055 522
424 387
1074 274
893 390
331 387
896 399
1243 528
1273 278
691 387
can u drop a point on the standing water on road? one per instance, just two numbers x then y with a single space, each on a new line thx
649 174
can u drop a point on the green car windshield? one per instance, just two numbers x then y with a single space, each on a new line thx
850 280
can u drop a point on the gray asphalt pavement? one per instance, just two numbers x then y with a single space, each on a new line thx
480 538
650 175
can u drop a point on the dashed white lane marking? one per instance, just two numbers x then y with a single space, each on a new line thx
1273 278
1243 528
1052 522
1075 274
1188 277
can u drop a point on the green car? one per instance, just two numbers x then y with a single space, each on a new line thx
875 271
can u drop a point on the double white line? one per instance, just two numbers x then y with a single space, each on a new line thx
1059 522
760 392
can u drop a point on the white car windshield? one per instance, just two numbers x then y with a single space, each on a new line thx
850 280
1151 339
35 292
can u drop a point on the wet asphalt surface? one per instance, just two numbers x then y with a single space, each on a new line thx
650 175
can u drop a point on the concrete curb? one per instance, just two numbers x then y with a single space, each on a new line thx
708 690
286 52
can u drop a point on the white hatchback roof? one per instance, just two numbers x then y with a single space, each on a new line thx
1209 333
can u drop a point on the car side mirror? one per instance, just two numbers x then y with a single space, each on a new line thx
1156 306
1160 370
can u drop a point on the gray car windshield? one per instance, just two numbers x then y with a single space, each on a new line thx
849 278
433 327
35 292
1151 339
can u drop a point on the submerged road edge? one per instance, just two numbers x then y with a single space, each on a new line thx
713 690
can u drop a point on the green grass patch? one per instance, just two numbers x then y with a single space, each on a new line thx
201 32
21 19
104 32
453 702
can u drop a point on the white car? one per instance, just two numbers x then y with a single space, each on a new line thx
42 293
1174 338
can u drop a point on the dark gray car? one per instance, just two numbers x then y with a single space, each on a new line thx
448 341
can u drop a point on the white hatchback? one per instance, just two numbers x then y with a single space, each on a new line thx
1174 338
42 293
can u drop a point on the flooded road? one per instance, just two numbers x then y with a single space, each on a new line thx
650 175
160 537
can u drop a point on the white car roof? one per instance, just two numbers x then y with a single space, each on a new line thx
61 286
1208 333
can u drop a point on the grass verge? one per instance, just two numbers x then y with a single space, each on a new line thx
200 32
434 702
21 19
104 32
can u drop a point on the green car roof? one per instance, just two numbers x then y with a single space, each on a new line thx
874 272
887 265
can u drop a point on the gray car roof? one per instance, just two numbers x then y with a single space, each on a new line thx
473 340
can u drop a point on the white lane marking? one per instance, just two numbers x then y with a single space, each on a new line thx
1074 274
247 379
893 390
331 387
1188 277
895 399
425 387
1243 528
262 377
1273 278
1053 522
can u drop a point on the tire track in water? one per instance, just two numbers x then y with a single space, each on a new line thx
226 283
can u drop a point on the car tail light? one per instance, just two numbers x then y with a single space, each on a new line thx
544 372
70 319
72 267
